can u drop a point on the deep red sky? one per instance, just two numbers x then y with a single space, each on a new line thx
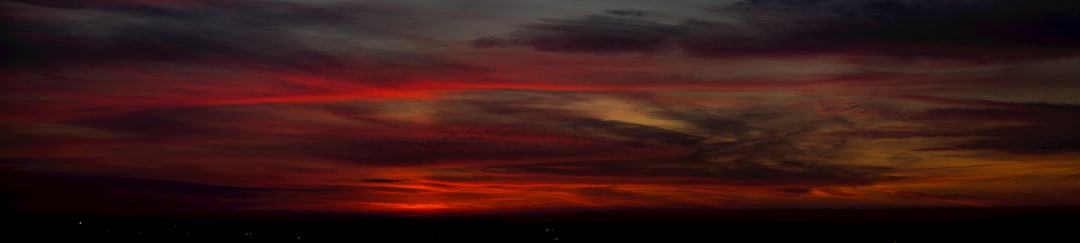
476 106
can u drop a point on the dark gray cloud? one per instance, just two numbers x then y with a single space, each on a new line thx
904 159
426 151
589 34
635 132
459 137
679 171
1032 128
163 123
1033 138
983 30
248 32
201 195
380 180
1035 127
132 195
613 193
760 146
794 190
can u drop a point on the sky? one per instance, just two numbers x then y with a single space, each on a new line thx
420 107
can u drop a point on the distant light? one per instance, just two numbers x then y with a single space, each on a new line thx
556 238
80 222
298 237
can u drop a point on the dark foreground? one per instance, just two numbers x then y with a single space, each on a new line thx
924 225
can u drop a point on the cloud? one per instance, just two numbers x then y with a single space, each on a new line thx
904 159
1035 139
221 32
951 198
762 146
634 132
1014 127
504 133
53 192
380 180
590 34
609 192
379 107
984 30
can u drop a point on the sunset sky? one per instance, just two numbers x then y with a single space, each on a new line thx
418 107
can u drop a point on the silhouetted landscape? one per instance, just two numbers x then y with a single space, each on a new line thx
914 225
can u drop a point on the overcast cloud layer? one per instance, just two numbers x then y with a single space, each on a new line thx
416 107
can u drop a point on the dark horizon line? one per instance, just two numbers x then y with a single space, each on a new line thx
836 225
673 215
